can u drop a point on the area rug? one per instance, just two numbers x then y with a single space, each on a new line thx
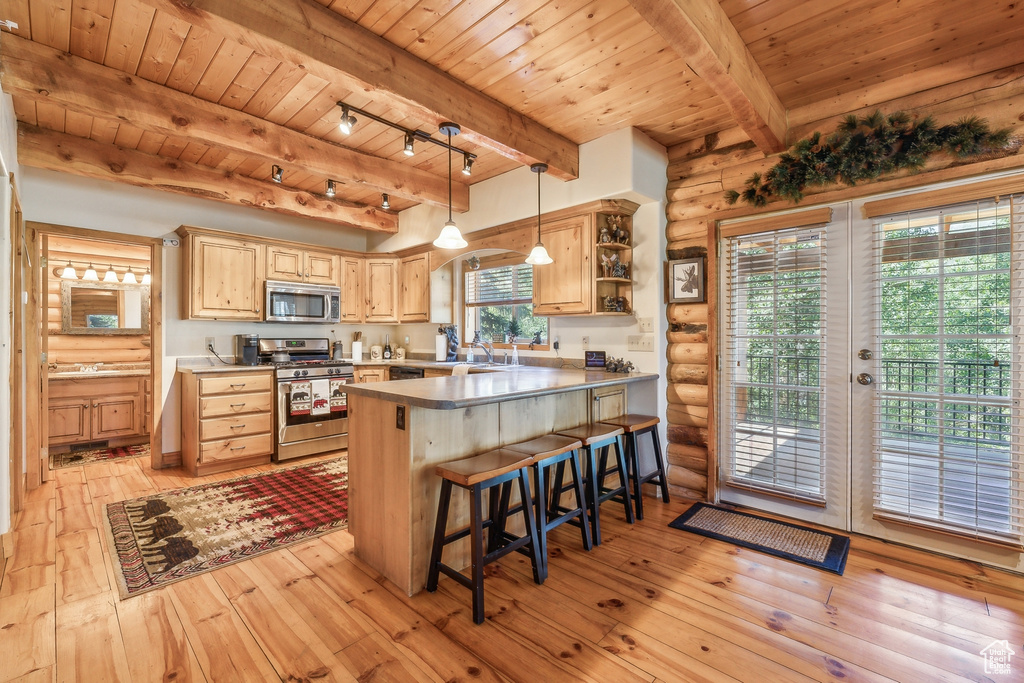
59 460
170 536
791 541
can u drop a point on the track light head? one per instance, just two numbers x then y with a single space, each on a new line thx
347 122
277 174
331 190
467 165
409 139
385 201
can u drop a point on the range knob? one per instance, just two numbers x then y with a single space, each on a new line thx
295 374
305 372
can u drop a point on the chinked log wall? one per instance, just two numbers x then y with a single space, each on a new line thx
700 171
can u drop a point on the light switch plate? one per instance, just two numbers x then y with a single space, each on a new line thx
646 324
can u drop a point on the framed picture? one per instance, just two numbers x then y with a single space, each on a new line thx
686 281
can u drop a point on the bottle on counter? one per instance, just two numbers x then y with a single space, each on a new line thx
387 347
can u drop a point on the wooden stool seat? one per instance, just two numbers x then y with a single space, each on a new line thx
543 447
495 469
590 434
636 426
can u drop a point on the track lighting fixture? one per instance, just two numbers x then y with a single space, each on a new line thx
409 138
276 174
467 164
385 201
331 191
69 272
347 120
450 237
539 255
91 275
129 277
110 275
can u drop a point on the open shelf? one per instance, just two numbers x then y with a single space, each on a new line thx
613 246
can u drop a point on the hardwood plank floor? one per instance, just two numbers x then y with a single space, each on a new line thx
650 604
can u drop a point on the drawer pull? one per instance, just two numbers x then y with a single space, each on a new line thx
233 386
237 405
237 448
237 427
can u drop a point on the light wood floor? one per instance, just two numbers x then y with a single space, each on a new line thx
650 604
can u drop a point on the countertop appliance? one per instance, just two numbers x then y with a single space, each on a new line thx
312 406
247 350
399 372
297 302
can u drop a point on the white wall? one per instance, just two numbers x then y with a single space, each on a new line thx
8 165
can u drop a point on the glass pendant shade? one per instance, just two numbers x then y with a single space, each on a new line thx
69 272
539 256
129 277
146 277
110 275
450 237
91 274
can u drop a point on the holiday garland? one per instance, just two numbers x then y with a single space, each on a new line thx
866 148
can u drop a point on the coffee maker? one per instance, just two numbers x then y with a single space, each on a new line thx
247 349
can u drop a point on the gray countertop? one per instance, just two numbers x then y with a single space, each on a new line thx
449 393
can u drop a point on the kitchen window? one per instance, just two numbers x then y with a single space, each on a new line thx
499 303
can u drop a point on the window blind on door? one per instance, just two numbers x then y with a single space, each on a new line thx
774 363
947 419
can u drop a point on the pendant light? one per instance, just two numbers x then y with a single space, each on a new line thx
539 255
91 275
110 275
69 272
450 237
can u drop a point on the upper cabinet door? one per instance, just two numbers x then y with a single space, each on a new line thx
414 289
381 290
284 264
352 277
566 287
322 268
224 279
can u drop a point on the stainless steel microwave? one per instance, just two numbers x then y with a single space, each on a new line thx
296 302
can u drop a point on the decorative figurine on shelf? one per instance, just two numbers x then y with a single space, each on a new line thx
618 365
609 304
608 263
536 340
622 305
619 234
605 236
514 330
452 333
620 270
473 263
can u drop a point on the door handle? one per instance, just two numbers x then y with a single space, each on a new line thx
865 379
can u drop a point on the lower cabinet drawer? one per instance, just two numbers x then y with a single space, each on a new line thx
232 449
240 404
235 384
234 426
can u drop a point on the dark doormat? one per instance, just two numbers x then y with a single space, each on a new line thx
790 541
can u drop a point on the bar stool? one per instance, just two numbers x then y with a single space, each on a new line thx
598 438
481 473
545 451
636 426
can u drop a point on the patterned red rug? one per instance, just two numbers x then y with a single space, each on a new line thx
59 460
167 537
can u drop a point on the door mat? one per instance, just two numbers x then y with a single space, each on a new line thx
790 541
59 460
159 539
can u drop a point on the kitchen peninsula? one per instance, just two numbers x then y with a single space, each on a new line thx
400 431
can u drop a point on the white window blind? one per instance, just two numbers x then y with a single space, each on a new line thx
774 363
511 284
947 419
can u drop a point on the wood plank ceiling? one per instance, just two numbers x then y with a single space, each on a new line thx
202 96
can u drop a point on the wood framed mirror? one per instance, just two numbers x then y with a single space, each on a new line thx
104 308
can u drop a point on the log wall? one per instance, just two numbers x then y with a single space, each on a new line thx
85 348
699 173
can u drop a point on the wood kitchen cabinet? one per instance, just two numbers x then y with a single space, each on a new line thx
607 402
222 277
353 274
414 289
300 265
90 409
226 420
364 374
566 286
381 289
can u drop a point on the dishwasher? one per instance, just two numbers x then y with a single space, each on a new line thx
400 372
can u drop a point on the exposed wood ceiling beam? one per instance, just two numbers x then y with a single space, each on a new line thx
701 33
48 149
42 74
322 42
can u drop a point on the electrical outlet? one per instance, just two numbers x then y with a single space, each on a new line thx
209 343
586 343
646 324
640 342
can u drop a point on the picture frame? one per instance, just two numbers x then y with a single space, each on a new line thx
684 281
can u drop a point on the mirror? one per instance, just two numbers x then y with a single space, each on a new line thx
103 308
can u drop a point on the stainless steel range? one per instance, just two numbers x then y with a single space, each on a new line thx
312 407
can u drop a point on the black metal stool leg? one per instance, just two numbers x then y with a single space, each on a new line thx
622 460
660 460
439 532
581 499
540 493
540 569
633 467
593 492
477 550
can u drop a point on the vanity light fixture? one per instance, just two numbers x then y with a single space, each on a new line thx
146 277
277 173
385 201
69 272
450 237
331 191
129 277
91 275
408 149
110 275
347 120
467 165
539 255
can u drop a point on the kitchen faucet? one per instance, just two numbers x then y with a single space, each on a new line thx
488 349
